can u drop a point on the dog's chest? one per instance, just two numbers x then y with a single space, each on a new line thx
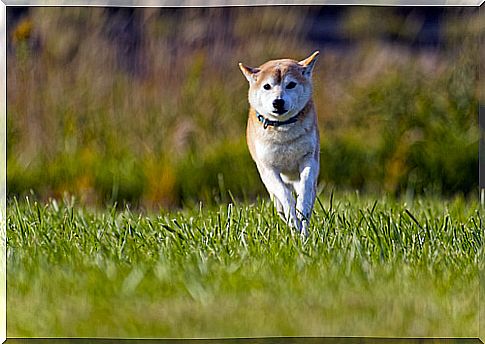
285 149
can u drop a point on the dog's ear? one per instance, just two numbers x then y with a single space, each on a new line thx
309 63
249 72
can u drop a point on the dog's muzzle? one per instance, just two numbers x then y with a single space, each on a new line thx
279 105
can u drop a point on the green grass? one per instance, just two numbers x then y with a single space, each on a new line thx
368 268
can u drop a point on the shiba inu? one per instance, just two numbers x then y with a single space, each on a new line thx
282 135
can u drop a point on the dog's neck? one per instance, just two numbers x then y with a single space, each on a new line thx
266 122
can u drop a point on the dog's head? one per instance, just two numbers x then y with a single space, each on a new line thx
279 89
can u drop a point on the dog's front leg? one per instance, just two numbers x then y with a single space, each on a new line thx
278 189
278 206
305 190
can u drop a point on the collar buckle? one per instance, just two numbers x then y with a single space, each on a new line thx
265 123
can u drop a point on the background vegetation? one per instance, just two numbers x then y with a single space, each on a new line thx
148 106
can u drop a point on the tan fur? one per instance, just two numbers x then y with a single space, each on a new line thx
287 156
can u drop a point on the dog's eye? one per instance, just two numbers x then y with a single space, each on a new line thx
291 85
267 86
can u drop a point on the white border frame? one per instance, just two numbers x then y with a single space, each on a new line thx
141 3
225 3
3 172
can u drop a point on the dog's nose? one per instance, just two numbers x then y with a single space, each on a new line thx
278 103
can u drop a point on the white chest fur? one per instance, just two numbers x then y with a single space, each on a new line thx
285 148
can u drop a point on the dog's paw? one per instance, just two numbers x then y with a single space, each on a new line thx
304 229
295 224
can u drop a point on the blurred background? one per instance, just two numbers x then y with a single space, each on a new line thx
148 106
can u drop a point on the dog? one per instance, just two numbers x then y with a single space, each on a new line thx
282 135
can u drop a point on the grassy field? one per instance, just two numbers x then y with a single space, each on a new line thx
380 268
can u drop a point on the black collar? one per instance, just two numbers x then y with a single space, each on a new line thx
267 122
